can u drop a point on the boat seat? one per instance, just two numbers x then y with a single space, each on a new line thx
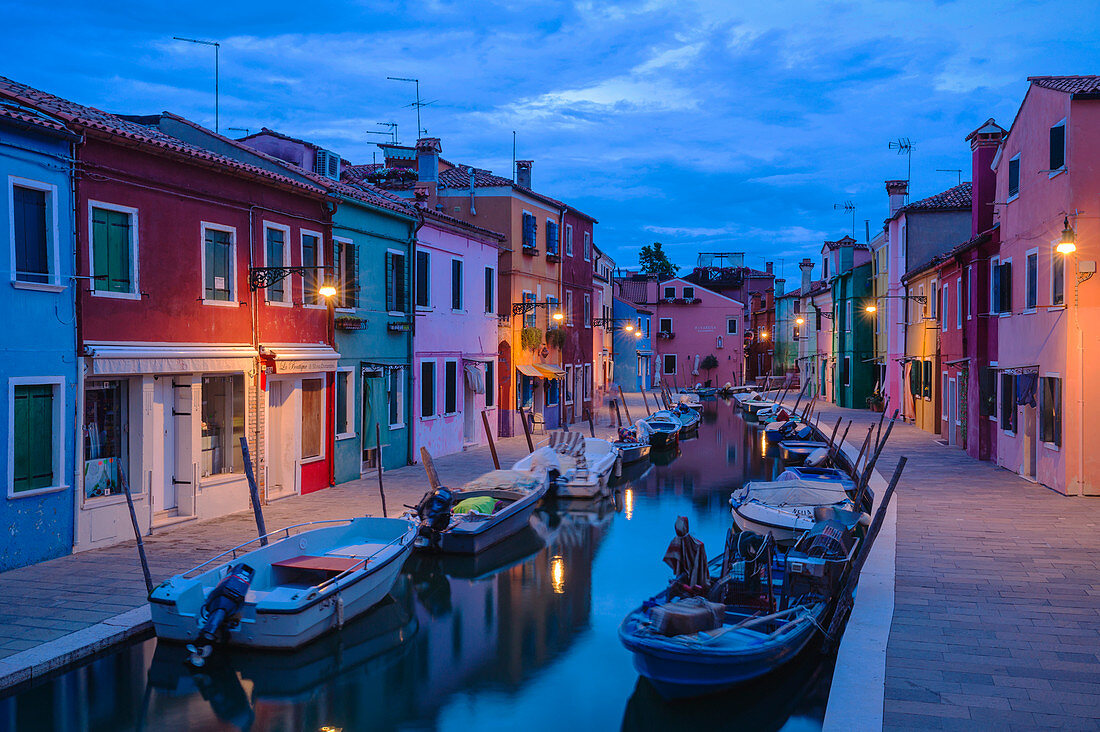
356 550
329 563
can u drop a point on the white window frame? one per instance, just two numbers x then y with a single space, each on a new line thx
288 287
972 291
302 234
945 306
586 391
400 397
848 316
934 300
415 279
662 330
684 292
346 242
134 249
1039 410
557 249
587 246
1029 310
666 289
945 409
569 240
435 389
52 231
1065 147
232 231
522 223
664 364
587 314
958 303
458 382
921 308
461 285
732 321
848 370
996 416
568 396
993 307
569 307
58 384
1054 253
1008 313
323 416
350 397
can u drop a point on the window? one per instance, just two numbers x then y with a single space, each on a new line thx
422 279
967 291
313 419
670 293
848 316
587 382
312 257
817 318
397 291
427 389
490 387
553 393
345 404
994 284
395 396
1008 402
944 391
346 271
450 387
114 249
525 397
456 284
915 378
1004 289
664 325
106 437
223 424
846 371
569 240
551 236
926 372
36 434
1031 280
987 392
1058 146
1050 410
587 247
569 307
689 293
1014 176
1057 279
552 307
489 308
946 304
569 383
34 232
587 310
669 365
218 263
529 318
958 303
825 268
275 255
731 326
530 230
933 301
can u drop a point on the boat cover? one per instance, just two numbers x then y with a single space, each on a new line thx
792 493
476 504
687 557
684 617
507 479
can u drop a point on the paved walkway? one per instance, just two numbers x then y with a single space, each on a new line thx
996 621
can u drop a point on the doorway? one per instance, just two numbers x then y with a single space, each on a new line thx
1031 445
282 441
171 404
374 409
469 407
952 410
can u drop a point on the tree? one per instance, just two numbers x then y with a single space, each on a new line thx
709 363
654 261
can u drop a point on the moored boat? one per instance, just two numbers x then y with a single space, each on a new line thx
784 509
689 418
633 443
796 451
584 463
664 429
286 593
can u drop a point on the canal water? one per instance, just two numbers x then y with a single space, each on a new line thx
521 637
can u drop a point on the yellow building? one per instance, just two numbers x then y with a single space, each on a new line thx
922 404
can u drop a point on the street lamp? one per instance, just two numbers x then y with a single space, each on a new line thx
327 289
558 316
799 321
1068 244
872 309
263 277
637 334
629 328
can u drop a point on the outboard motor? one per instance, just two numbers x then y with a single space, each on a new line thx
223 602
434 512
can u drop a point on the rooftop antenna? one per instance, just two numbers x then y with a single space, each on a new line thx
952 170
217 52
417 104
245 130
513 156
851 208
392 133
905 147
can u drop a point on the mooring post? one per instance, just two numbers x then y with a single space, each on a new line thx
254 492
526 430
625 407
489 437
378 457
137 530
429 468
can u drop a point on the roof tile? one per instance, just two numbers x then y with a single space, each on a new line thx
956 197
1068 84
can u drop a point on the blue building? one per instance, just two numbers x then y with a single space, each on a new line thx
633 344
38 345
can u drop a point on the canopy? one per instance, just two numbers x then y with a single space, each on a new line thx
550 372
792 493
528 370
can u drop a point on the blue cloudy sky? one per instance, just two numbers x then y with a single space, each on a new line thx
709 126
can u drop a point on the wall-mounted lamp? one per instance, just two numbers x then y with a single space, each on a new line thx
799 321
1068 243
871 309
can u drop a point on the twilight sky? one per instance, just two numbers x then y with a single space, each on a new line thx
709 126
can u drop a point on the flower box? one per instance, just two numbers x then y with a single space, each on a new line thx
552 257
531 251
399 326
350 322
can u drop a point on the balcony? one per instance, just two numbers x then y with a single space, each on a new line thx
668 335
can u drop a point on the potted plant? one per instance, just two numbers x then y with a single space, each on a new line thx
555 338
530 338
708 364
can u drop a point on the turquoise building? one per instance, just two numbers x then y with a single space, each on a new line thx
633 349
853 337
37 349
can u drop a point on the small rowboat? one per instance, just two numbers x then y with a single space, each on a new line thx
753 406
689 419
287 593
632 451
784 509
584 463
664 428
796 451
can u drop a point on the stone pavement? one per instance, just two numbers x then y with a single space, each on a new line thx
996 619
61 600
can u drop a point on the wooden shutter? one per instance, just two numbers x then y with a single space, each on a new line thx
390 294
423 279
456 284
118 258
450 383
401 282
33 437
488 289
31 256
351 275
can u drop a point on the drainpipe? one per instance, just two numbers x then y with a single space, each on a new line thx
561 298
410 419
329 208
78 336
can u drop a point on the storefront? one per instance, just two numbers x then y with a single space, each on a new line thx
167 420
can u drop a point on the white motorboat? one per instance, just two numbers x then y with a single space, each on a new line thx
785 509
689 399
585 463
284 594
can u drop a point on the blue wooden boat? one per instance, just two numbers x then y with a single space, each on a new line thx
664 429
689 418
826 475
756 633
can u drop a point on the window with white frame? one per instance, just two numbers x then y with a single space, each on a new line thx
946 304
427 389
569 307
1057 147
994 285
968 288
933 301
395 397
456 284
346 272
114 249
219 264
587 383
34 231
1050 410
670 293
450 387
345 403
106 437
490 299
689 293
848 315
1057 279
1031 281
313 419
1014 176
664 325
36 413
587 247
490 385
587 310
277 254
958 303
569 383
223 424
731 326
569 240
313 257
423 276
668 364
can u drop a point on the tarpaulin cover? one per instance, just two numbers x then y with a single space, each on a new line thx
476 504
683 617
506 479
687 557
792 493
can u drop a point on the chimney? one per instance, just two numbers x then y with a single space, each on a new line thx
898 191
846 254
984 142
427 171
523 172
779 282
768 267
769 298
807 267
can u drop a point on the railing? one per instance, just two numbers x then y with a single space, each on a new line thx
284 531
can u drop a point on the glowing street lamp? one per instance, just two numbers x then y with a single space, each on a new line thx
629 327
327 289
799 321
558 316
871 309
637 334
1068 244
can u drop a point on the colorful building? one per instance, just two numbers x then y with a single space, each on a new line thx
1047 181
578 300
633 348
849 262
37 367
921 404
760 338
788 329
815 348
603 337
726 274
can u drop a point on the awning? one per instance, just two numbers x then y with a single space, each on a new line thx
300 358
529 370
168 358
550 372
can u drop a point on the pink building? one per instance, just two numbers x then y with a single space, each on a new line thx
455 337
692 323
1047 175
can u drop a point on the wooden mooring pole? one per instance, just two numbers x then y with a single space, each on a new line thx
526 430
137 529
489 438
254 492
625 407
378 457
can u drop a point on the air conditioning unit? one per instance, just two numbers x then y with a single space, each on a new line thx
327 164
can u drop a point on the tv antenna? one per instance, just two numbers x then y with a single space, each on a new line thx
850 208
417 104
245 130
957 171
217 53
392 134
904 147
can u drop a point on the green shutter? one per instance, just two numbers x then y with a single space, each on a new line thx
401 274
33 437
351 290
389 282
118 258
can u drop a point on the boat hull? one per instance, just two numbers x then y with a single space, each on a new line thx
633 452
468 542
796 451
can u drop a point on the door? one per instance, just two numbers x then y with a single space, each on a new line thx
165 416
376 417
1031 444
952 411
469 413
282 446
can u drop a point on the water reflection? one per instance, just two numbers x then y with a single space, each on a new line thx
523 635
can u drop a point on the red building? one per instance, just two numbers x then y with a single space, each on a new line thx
760 338
179 357
578 295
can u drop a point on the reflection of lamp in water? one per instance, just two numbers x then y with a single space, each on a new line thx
628 503
763 445
557 574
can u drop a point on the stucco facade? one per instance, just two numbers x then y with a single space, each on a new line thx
691 326
633 348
